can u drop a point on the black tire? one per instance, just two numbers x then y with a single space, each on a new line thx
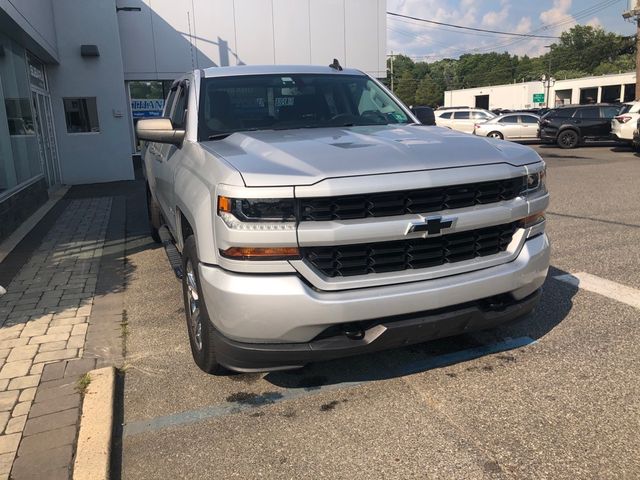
155 216
568 139
496 135
199 326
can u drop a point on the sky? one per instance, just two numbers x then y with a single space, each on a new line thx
429 43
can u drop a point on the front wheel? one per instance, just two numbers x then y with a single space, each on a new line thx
198 324
568 139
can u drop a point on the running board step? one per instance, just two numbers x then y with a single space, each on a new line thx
174 257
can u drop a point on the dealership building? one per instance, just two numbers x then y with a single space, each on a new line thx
604 88
75 74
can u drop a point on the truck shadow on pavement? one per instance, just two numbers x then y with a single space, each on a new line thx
554 306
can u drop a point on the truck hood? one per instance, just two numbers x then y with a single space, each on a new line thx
307 156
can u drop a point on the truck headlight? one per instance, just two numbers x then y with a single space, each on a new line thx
536 182
258 213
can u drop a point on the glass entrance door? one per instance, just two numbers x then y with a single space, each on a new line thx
46 136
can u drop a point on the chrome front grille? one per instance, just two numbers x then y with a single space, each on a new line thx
399 255
405 202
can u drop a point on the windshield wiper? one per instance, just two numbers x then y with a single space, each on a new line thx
220 136
223 135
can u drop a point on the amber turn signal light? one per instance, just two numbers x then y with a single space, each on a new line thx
224 204
531 220
257 253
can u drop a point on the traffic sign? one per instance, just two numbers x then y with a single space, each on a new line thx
538 98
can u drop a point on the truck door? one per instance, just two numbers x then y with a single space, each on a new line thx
167 158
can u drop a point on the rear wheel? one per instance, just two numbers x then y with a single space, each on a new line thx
568 139
496 135
155 216
198 324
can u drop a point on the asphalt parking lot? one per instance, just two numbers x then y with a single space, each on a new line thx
554 396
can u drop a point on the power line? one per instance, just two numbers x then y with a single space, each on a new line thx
470 28
573 17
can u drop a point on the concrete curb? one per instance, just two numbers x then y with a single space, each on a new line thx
93 453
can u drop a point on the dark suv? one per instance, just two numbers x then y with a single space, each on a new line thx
571 125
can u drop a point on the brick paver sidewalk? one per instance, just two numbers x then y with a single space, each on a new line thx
44 317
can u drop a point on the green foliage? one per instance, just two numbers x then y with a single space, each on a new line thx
406 88
580 52
428 93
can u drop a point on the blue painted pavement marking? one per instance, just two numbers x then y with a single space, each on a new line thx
270 398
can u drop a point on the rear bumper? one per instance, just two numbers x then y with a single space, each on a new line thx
374 335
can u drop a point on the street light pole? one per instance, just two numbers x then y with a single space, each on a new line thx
391 68
634 12
548 77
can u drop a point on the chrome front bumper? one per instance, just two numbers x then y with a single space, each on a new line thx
283 308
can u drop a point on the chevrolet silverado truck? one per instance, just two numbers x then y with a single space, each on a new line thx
314 218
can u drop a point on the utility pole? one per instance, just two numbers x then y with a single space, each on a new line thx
637 57
548 85
634 13
391 69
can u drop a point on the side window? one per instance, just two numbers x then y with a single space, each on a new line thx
566 112
169 103
609 112
528 119
589 113
461 115
446 115
479 116
178 116
509 119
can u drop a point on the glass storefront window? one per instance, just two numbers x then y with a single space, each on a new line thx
147 99
19 156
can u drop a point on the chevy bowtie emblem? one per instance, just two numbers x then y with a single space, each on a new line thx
432 226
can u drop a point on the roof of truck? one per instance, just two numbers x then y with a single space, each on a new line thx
275 69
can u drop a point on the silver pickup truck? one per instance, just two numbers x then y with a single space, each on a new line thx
315 218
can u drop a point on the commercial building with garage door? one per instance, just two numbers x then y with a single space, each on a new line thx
612 88
76 74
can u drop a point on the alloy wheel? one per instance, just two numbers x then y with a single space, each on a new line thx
193 300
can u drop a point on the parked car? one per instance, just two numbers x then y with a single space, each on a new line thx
311 219
462 119
636 137
424 114
510 126
624 124
569 126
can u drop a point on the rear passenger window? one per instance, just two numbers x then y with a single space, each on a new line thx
610 112
560 113
446 115
479 116
588 113
461 115
510 119
528 119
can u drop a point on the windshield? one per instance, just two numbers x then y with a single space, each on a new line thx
272 102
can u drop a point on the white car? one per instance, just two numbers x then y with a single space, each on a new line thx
462 119
510 126
625 122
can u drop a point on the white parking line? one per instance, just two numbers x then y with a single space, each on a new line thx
601 286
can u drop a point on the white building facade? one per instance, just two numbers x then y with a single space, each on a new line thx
599 89
75 74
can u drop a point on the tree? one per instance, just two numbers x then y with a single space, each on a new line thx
428 93
406 88
584 48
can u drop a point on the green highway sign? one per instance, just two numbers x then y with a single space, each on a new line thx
538 98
